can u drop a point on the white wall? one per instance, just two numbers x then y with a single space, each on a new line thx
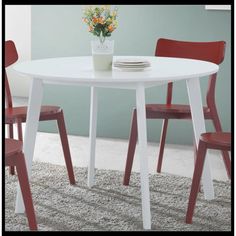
18 29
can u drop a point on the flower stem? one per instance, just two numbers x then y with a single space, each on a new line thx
101 38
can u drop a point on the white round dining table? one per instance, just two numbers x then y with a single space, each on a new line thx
79 71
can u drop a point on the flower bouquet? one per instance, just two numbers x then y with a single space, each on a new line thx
101 21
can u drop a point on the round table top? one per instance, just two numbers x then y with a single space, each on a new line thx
80 70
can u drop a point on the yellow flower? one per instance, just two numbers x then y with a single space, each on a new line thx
115 23
109 20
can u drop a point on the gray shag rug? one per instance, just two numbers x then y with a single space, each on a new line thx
110 206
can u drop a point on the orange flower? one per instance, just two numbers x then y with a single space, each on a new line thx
95 20
110 28
90 28
100 20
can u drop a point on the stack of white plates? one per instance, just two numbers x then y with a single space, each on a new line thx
132 64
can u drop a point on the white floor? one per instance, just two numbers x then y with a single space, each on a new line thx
111 154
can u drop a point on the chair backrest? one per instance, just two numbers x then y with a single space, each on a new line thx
206 51
11 56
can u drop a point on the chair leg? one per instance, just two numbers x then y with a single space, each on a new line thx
196 181
195 158
11 170
131 149
65 146
225 154
11 135
10 131
194 151
26 193
162 144
19 129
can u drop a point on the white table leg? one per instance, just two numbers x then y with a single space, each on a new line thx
195 100
142 141
31 128
92 136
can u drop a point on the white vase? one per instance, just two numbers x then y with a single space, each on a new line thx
102 54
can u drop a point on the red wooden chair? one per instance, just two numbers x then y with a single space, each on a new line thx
218 140
15 157
47 113
207 51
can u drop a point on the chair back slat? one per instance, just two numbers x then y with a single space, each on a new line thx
207 51
11 56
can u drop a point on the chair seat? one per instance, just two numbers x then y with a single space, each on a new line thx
171 108
12 147
20 112
219 139
172 111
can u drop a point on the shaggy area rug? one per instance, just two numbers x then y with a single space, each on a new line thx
110 206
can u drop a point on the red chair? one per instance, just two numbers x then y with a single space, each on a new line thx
207 51
15 157
47 113
220 141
